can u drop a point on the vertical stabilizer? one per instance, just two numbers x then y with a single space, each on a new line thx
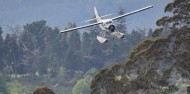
96 14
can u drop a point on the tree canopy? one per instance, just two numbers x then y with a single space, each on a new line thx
43 90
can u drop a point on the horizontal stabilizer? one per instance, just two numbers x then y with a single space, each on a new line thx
98 18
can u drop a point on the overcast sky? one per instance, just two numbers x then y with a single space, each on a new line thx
59 12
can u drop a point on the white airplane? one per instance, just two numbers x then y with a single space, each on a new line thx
106 25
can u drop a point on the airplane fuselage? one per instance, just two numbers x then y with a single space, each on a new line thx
107 25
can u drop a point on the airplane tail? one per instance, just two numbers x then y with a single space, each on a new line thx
97 15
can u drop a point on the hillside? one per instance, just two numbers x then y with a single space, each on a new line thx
152 63
156 65
38 55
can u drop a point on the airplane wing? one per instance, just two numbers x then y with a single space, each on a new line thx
97 18
80 27
133 12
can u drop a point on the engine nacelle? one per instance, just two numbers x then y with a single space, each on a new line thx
111 28
101 39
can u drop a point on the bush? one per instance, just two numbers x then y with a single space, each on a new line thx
43 90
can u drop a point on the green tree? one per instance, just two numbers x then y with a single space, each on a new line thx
34 33
7 49
38 47
178 22
150 32
121 23
11 52
82 86
86 40
73 60
90 72
72 56
43 90
180 18
1 50
73 38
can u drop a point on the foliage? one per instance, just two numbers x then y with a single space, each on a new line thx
90 72
1 49
39 52
180 18
17 88
40 47
3 87
43 90
157 63
82 86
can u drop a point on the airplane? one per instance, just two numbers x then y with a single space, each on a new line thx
106 25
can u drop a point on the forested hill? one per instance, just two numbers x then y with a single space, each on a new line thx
39 55
155 66
39 47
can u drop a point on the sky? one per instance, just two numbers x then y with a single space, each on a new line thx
58 13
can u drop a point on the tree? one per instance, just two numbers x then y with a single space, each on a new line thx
37 45
1 50
7 49
150 33
90 72
53 52
180 17
73 60
86 40
11 52
34 33
177 23
16 30
82 86
15 87
157 62
43 90
73 38
121 23
180 10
